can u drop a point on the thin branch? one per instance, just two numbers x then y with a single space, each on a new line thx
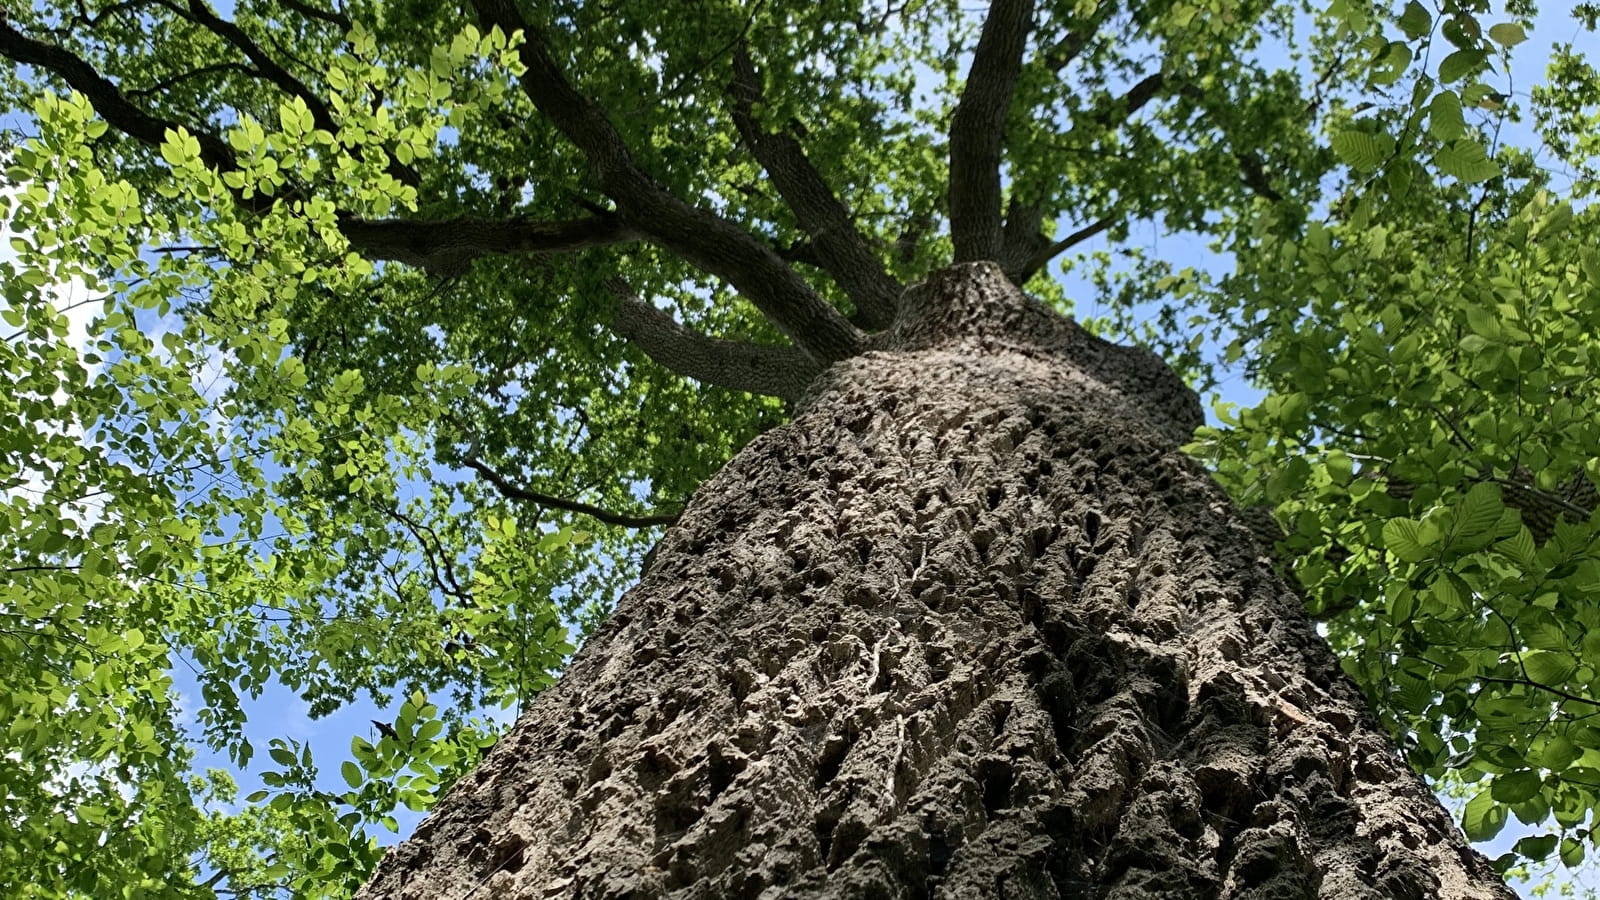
1255 176
1024 250
736 365
440 566
337 20
702 238
1132 100
977 131
679 84
1529 682
1059 55
446 248
172 81
839 247
1043 257
201 13
513 492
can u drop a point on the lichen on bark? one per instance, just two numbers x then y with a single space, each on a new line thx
970 625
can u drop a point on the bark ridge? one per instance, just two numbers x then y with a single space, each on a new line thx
969 627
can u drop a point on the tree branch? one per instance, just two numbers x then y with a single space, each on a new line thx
1021 240
1059 55
440 568
702 238
736 365
442 248
337 20
1123 108
200 13
977 131
1024 251
1255 176
446 248
172 81
1043 257
513 492
107 99
839 248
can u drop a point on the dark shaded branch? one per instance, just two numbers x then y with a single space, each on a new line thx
86 19
1043 257
446 248
336 19
1123 108
1024 250
1529 682
838 246
443 248
513 492
107 99
200 13
736 365
172 81
1021 240
702 238
1059 55
440 568
977 131
801 251
1255 176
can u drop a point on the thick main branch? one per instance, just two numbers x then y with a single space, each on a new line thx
445 248
702 238
978 130
839 247
737 365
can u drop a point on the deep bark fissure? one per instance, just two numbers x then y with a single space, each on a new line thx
969 626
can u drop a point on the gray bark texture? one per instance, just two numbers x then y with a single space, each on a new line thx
969 626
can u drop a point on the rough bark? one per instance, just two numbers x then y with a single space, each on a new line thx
766 369
969 626
978 131
707 241
839 248
446 248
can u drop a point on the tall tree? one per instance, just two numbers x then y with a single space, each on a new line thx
483 306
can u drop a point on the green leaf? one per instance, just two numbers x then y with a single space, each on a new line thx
352 774
1445 120
1572 852
1466 161
1361 150
1482 818
1558 753
1460 64
1403 538
1516 787
1341 467
1537 848
1550 668
1507 34
1415 21
1478 513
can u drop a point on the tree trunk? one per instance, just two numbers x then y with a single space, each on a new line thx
969 626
